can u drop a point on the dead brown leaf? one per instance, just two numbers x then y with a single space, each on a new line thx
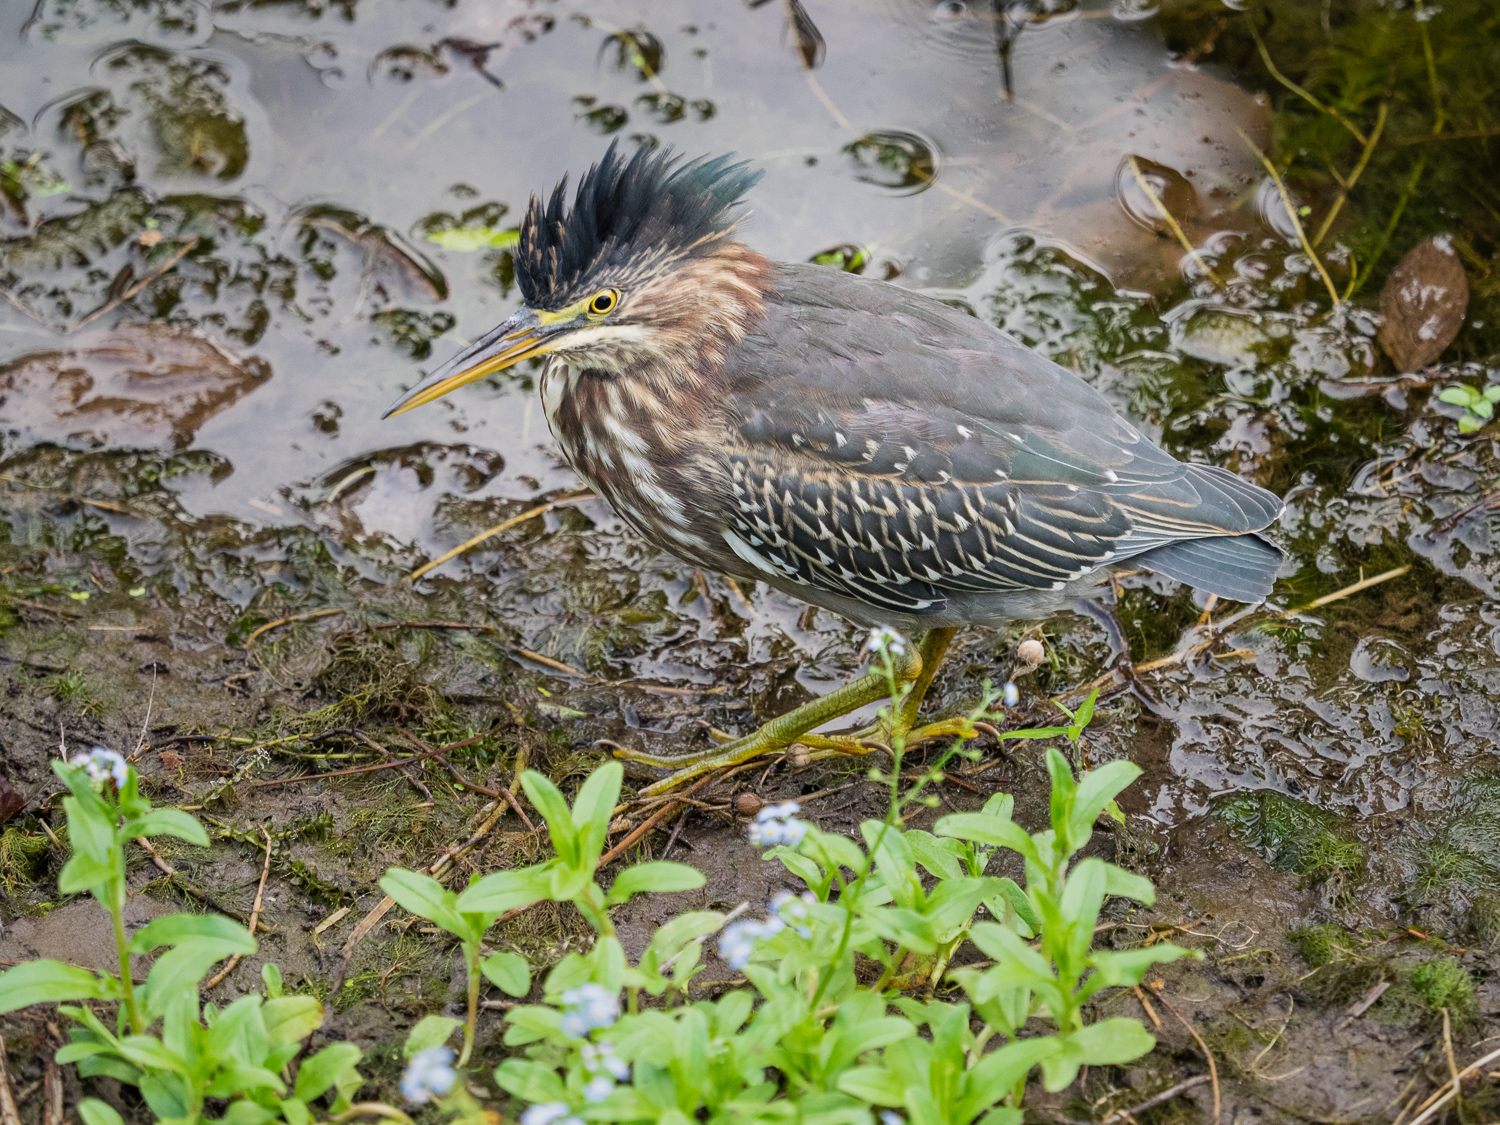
1423 303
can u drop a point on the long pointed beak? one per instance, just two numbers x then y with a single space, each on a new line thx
520 337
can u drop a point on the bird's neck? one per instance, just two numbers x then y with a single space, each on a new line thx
637 431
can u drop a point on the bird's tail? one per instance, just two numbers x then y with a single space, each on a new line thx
1241 568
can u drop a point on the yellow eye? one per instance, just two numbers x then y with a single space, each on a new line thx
604 301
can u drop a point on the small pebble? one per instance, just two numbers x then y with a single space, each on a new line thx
747 804
797 756
1030 653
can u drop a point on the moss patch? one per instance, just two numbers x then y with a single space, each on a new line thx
1293 835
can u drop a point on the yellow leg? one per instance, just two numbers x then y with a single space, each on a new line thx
916 668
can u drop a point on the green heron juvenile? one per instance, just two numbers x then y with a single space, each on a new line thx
857 445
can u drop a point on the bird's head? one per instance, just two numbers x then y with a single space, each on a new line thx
639 272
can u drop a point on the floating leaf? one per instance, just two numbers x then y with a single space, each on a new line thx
475 238
1423 304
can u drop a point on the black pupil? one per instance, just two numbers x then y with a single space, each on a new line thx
603 302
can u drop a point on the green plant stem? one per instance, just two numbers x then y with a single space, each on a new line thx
1286 201
472 1021
127 985
1347 186
1390 227
890 970
1265 57
1440 116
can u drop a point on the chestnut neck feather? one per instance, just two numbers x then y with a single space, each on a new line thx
642 433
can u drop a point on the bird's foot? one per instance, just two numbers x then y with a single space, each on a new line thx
916 667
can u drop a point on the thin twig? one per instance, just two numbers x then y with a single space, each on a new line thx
1213 1070
1159 1099
504 525
118 300
1346 186
676 831
1362 584
1161 208
1452 1065
411 778
1265 57
52 1101
1286 201
161 865
371 769
437 869
8 1114
140 743
649 823
260 894
269 625
1440 1099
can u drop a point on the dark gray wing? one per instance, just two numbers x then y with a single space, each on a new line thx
892 449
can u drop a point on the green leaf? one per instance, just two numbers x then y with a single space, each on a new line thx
1469 423
147 1051
549 802
270 976
475 238
594 809
95 1112
165 1096
832 850
91 828
1111 1042
1096 790
1082 896
246 1112
982 828
530 1081
660 877
1458 396
935 855
109 1066
997 1073
168 822
1483 407
1085 714
180 929
1492 394
1122 883
873 1084
198 941
47 982
291 1019
426 897
84 873
231 1081
799 865
1010 952
429 1032
1016 898
508 972
682 929
325 1068
1128 967
505 890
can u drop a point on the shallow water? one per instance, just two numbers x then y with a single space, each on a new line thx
217 274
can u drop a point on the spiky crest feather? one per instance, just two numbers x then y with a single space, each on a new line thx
649 207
